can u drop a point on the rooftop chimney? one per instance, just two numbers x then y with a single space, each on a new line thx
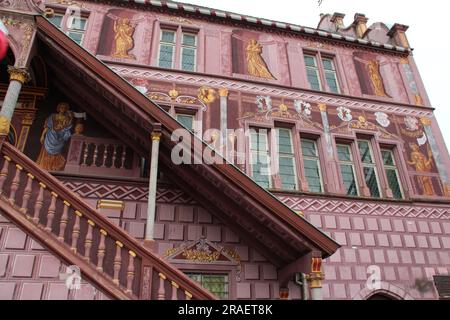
360 24
338 20
397 32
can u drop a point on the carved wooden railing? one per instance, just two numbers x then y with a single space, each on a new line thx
99 156
106 255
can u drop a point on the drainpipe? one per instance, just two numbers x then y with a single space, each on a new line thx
152 185
300 280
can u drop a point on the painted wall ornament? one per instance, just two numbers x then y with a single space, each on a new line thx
303 108
373 67
123 39
54 137
345 114
264 103
422 164
207 95
411 123
256 66
382 119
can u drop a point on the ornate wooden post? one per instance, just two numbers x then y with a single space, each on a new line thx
17 77
315 278
152 185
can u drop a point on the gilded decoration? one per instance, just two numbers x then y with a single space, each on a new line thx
207 95
256 66
373 68
223 92
205 252
4 125
174 96
18 74
123 38
302 111
422 164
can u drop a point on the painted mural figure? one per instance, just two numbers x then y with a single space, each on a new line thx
123 38
256 65
373 67
55 135
423 165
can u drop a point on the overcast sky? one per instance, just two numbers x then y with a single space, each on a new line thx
425 18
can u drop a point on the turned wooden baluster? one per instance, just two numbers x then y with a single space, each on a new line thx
105 155
101 250
76 231
4 172
15 184
94 159
64 220
175 287
117 262
113 163
85 154
188 295
124 156
88 240
51 212
130 271
27 193
162 289
39 202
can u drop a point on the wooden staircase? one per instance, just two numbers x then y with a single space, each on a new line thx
107 256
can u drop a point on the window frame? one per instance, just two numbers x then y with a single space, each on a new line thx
179 30
373 165
209 273
352 163
291 155
174 46
269 151
66 14
317 158
394 167
316 69
319 57
183 46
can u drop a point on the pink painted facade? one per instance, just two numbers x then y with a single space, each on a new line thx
381 99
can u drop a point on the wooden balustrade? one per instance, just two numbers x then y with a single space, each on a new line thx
88 155
57 211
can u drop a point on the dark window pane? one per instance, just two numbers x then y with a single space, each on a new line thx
56 20
215 283
364 151
394 183
348 178
168 36
344 153
371 181
388 158
186 120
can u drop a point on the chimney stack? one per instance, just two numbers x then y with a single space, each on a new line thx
360 24
397 33
338 20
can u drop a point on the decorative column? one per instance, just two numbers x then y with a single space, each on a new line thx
223 93
426 122
315 278
17 77
152 184
331 161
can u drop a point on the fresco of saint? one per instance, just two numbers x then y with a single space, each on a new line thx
123 38
256 65
57 131
422 165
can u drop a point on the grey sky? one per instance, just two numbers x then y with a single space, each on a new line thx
425 18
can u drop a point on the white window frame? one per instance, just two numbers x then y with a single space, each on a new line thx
370 165
290 155
258 152
315 69
316 158
392 167
195 47
334 71
349 163
173 44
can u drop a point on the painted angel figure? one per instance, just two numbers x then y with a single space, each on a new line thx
303 108
256 65
264 103
123 38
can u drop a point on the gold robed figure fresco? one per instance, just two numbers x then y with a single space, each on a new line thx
57 131
373 67
123 38
256 66
423 165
